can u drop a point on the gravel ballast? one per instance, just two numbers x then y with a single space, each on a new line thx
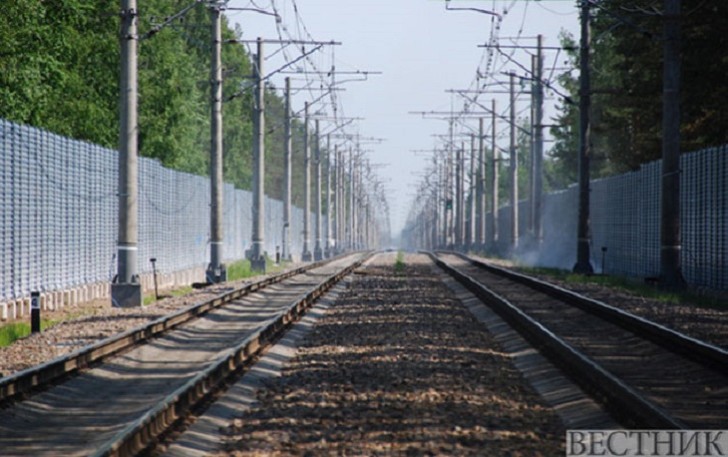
398 367
91 322
692 318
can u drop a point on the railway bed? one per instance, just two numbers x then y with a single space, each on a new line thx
401 360
651 376
120 402
399 366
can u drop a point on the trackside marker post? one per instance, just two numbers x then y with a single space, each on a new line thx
35 312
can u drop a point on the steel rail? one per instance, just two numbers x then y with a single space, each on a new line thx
691 348
624 402
141 433
24 382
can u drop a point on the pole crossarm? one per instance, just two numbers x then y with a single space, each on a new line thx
334 118
359 138
499 116
254 10
566 98
334 72
478 10
271 41
327 89
270 75
341 126
550 48
314 101
169 20
474 115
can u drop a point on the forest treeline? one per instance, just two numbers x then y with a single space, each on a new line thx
59 70
626 60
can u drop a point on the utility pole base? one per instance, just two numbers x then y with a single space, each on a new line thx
583 268
216 275
671 277
672 282
258 265
126 295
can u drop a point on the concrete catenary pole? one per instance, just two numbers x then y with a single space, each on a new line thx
494 167
459 189
532 154
446 201
480 206
450 189
306 255
670 236
329 214
287 173
538 147
470 239
513 167
317 250
345 208
583 243
257 259
352 202
216 271
434 209
339 202
126 289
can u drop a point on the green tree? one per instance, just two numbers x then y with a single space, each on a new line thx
626 70
59 70
57 67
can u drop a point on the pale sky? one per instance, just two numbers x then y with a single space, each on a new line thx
422 50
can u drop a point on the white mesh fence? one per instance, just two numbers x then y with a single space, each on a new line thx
59 212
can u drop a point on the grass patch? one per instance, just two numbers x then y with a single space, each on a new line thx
399 263
10 333
237 270
149 299
241 269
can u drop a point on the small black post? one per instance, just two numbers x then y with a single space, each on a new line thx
604 256
154 271
278 255
35 312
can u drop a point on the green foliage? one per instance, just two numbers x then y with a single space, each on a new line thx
59 70
57 67
626 77
241 269
150 298
399 263
9 333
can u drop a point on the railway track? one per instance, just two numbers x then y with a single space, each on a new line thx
646 375
398 365
114 397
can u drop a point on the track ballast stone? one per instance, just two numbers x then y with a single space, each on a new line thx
398 367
